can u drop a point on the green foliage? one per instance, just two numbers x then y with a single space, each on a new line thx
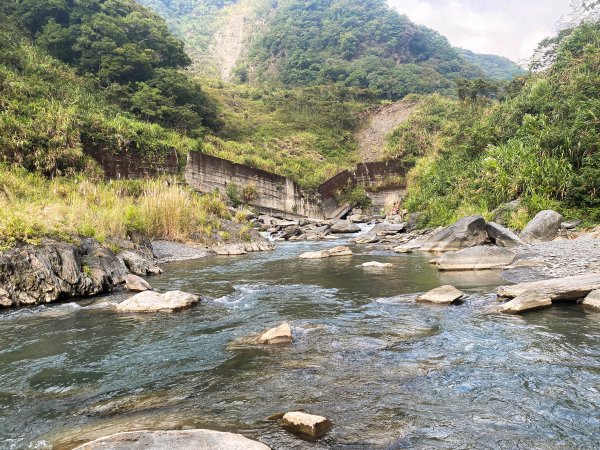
493 66
128 50
354 195
540 144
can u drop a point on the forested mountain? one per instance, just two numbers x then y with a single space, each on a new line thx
493 66
313 42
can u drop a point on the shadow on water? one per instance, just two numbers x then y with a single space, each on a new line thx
390 373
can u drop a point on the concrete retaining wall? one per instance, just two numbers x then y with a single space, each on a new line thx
132 164
275 195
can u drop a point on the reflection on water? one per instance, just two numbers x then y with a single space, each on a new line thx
390 373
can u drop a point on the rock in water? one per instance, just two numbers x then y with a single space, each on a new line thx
329 253
377 265
593 299
136 284
149 301
344 226
279 335
306 424
467 232
528 301
503 237
139 264
176 439
443 295
476 258
52 271
543 227
568 288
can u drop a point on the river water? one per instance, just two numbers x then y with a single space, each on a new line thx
388 372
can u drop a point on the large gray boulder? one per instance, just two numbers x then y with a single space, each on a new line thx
503 237
528 301
543 227
476 258
53 271
467 232
176 439
568 288
344 226
139 263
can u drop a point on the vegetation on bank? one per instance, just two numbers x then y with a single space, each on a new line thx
34 206
540 143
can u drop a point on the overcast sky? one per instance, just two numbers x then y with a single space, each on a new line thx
510 28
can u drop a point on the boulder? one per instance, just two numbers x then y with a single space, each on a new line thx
289 232
388 229
527 301
568 288
467 232
592 299
329 253
306 424
139 264
53 271
570 225
377 265
443 295
502 214
503 237
279 335
413 220
175 439
150 301
230 250
368 238
358 218
543 227
476 258
344 226
136 284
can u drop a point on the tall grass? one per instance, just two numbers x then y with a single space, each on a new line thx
34 207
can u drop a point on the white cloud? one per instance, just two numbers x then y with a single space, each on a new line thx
510 28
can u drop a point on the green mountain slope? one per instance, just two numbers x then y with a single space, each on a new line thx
493 66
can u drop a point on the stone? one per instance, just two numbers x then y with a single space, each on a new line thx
289 232
368 238
54 271
344 226
230 250
503 237
150 301
329 253
476 258
443 295
467 232
388 229
592 299
175 439
136 284
413 220
502 214
543 227
527 301
139 264
377 265
279 335
527 262
567 288
306 424
570 224
359 218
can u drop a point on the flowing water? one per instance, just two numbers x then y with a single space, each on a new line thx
390 373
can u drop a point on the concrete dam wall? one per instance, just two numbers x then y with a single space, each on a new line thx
132 164
274 194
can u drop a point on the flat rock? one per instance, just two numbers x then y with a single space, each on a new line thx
377 265
279 335
328 253
306 424
139 264
467 232
136 284
368 238
176 439
444 295
528 301
543 227
476 258
592 299
568 288
150 301
502 236
344 226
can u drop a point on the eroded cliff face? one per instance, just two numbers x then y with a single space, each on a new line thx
53 271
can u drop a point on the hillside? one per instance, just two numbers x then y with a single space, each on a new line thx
493 66
539 145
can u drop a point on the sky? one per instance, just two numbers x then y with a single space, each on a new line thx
510 28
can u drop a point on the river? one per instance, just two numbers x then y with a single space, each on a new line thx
390 373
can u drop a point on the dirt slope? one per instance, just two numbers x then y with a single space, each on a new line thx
378 124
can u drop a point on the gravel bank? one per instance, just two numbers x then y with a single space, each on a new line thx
167 251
